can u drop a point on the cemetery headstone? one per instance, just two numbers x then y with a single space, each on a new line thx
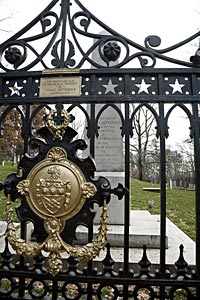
109 152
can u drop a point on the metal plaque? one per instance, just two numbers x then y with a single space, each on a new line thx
60 86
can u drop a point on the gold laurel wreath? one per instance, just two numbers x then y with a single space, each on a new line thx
54 243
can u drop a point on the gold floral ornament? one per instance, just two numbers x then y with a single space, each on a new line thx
58 130
56 190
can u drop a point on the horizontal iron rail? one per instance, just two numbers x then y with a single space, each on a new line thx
119 280
106 86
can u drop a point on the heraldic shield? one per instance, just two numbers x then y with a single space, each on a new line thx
57 191
56 187
53 194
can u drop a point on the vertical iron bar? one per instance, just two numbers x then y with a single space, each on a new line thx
196 134
92 148
92 129
1 112
26 135
92 118
127 195
27 127
54 290
196 129
65 4
92 153
1 87
163 189
21 287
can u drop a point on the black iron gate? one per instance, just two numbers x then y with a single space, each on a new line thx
45 101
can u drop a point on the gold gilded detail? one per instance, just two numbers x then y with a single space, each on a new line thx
58 130
60 71
53 194
56 190
22 187
57 154
56 186
88 189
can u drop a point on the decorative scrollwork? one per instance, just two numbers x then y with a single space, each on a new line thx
146 59
84 22
15 51
152 41
18 58
79 25
46 22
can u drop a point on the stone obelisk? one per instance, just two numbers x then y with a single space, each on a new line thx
109 156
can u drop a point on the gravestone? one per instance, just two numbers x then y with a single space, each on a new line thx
109 144
109 160
109 152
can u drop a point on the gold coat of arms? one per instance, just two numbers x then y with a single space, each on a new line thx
53 194
56 186
56 190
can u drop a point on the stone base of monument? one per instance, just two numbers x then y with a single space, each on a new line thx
143 230
175 237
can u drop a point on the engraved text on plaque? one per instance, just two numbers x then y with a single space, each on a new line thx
60 86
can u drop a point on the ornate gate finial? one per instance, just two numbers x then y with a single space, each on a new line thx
58 130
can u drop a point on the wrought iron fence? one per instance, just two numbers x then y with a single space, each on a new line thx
160 91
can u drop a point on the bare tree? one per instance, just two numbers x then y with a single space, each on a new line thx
152 165
188 168
11 143
143 133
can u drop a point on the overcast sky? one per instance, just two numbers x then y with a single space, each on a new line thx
141 18
172 20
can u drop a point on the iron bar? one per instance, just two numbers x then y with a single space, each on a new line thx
127 195
65 5
163 181
196 129
20 89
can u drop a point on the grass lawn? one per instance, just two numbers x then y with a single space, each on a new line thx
4 171
180 204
